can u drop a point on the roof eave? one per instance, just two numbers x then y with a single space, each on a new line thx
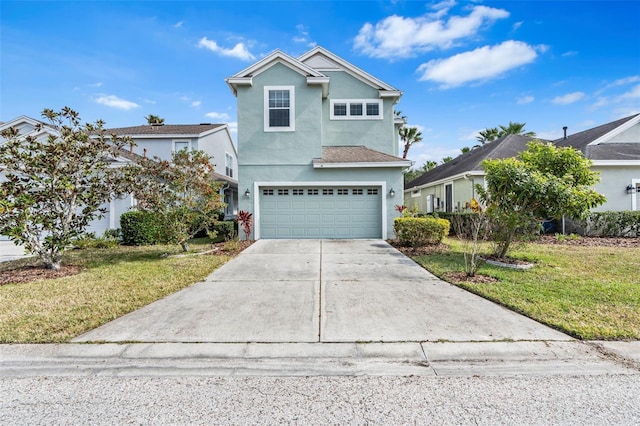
362 165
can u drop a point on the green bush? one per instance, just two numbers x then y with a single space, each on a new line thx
420 231
226 230
139 228
612 224
89 240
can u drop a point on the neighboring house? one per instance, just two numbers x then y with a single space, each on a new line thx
318 148
111 220
614 149
160 140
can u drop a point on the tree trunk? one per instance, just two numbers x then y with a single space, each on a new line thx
185 246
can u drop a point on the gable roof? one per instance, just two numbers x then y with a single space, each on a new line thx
505 147
356 156
166 130
323 60
310 65
594 142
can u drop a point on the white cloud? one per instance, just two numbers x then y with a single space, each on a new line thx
238 51
221 116
116 102
569 98
570 53
517 25
525 100
98 84
303 36
634 93
196 103
480 64
178 24
400 37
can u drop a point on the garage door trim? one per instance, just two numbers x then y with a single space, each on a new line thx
258 185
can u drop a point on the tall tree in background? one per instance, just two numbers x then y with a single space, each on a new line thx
56 186
413 174
409 136
154 119
492 133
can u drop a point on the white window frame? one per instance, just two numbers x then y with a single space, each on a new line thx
228 164
350 102
429 201
173 144
416 193
292 109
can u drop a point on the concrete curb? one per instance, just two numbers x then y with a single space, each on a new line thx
524 358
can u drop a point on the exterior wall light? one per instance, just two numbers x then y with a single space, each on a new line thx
247 193
392 193
631 189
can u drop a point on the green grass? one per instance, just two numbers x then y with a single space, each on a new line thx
113 282
587 292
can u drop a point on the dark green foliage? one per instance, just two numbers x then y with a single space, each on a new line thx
611 224
226 230
140 228
420 231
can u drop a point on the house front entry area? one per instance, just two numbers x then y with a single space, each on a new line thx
340 212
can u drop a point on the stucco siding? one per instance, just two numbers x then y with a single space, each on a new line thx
376 134
296 147
613 183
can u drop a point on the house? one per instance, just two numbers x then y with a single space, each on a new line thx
614 149
317 148
26 126
160 140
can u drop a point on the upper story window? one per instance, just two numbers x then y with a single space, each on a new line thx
356 109
279 109
228 164
180 145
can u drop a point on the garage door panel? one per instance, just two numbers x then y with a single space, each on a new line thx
338 212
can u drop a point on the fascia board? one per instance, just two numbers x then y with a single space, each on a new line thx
394 164
604 138
447 179
616 162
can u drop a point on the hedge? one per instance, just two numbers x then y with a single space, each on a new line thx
420 231
609 224
140 228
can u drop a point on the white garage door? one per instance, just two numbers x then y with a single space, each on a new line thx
320 212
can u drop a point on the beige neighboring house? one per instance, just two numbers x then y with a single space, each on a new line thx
614 149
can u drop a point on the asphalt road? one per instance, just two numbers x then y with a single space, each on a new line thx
522 400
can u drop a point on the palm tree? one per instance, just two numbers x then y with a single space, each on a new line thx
428 165
514 129
492 133
409 136
154 119
465 149
487 135
446 159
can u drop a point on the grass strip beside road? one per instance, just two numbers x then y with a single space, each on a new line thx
587 292
113 283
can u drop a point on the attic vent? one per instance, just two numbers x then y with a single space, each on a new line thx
205 124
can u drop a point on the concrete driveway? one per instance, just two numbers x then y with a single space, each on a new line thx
321 291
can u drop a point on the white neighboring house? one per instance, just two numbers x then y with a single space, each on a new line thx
111 220
152 141
160 140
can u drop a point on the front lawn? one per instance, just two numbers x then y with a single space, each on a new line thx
112 282
589 292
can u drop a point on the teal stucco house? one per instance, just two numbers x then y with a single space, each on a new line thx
317 148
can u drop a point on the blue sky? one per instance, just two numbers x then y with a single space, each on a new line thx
462 66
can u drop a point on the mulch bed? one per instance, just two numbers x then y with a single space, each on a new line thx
461 277
27 274
591 241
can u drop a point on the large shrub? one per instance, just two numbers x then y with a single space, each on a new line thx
420 231
609 224
140 228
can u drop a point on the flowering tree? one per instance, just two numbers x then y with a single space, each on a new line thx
56 182
183 193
